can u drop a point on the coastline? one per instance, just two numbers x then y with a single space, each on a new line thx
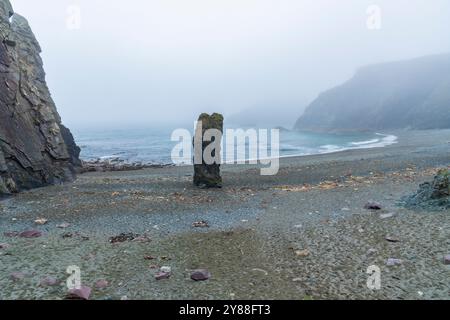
129 158
256 223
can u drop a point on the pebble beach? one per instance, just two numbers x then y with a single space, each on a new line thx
302 234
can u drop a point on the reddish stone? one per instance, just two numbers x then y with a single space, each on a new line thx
30 234
162 275
82 293
200 275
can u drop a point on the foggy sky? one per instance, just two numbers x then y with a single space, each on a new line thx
164 61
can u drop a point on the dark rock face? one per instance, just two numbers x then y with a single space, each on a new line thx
399 95
72 148
207 175
35 148
432 195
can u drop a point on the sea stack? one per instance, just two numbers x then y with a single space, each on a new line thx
207 152
35 148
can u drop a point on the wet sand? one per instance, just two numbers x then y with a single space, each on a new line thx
256 226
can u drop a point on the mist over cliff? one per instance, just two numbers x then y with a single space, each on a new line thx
159 61
412 94
269 114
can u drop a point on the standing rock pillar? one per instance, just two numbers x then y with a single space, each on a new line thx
207 151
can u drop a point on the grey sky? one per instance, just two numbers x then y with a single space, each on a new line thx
151 61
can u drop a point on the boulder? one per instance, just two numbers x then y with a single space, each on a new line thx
207 172
432 195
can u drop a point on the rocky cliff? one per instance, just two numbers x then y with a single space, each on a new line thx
408 94
35 148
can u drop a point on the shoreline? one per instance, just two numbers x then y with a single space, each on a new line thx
107 159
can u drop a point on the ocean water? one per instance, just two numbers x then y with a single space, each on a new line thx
154 145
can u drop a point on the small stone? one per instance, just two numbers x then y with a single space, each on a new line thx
30 234
149 258
82 293
447 260
387 215
162 275
200 224
394 262
4 246
101 284
302 253
166 269
393 239
372 205
16 276
67 235
123 237
261 271
200 275
48 282
41 221
372 251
